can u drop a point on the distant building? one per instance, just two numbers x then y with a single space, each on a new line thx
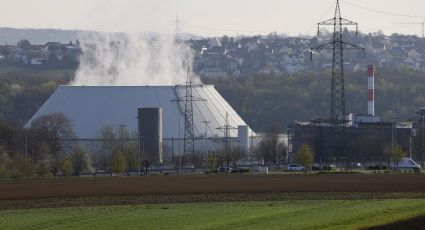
369 140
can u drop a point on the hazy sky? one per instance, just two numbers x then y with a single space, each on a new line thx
207 17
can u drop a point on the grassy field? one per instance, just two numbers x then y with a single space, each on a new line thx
308 214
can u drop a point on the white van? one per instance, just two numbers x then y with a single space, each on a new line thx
296 167
407 163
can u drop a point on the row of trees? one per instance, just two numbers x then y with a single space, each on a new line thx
305 156
49 147
271 150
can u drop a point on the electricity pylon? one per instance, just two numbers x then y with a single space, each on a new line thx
337 119
188 99
227 142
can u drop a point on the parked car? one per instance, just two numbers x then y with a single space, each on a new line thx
296 167
224 170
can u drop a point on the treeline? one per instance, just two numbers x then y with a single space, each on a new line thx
50 148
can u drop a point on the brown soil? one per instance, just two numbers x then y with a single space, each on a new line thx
416 223
210 184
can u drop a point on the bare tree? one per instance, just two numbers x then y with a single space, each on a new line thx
55 130
230 155
190 160
270 148
107 147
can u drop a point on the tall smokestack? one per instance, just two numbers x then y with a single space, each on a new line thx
371 90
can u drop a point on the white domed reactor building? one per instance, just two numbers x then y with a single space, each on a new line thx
90 108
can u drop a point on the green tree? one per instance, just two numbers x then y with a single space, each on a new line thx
212 162
80 160
4 166
131 158
396 155
66 166
42 168
118 162
3 152
304 156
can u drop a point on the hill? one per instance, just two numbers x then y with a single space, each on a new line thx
36 36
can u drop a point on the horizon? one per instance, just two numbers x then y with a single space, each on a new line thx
192 35
214 20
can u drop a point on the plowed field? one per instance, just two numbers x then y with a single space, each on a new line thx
209 184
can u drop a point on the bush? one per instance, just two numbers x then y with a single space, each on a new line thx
4 172
243 170
377 167
316 168
66 166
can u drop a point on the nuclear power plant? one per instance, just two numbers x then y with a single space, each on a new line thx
155 113
193 120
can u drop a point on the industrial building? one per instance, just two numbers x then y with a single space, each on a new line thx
368 142
368 139
90 108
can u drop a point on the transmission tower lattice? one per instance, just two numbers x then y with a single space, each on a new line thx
188 99
226 137
337 120
177 28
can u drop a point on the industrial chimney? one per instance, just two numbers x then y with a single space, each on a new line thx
371 90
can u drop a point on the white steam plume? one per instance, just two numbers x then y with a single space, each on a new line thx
129 59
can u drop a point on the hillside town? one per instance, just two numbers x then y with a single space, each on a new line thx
262 55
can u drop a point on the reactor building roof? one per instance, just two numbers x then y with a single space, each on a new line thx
90 108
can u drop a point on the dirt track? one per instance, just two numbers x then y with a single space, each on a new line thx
208 184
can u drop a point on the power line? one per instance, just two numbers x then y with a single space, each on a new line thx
321 18
205 28
422 24
381 11
188 99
